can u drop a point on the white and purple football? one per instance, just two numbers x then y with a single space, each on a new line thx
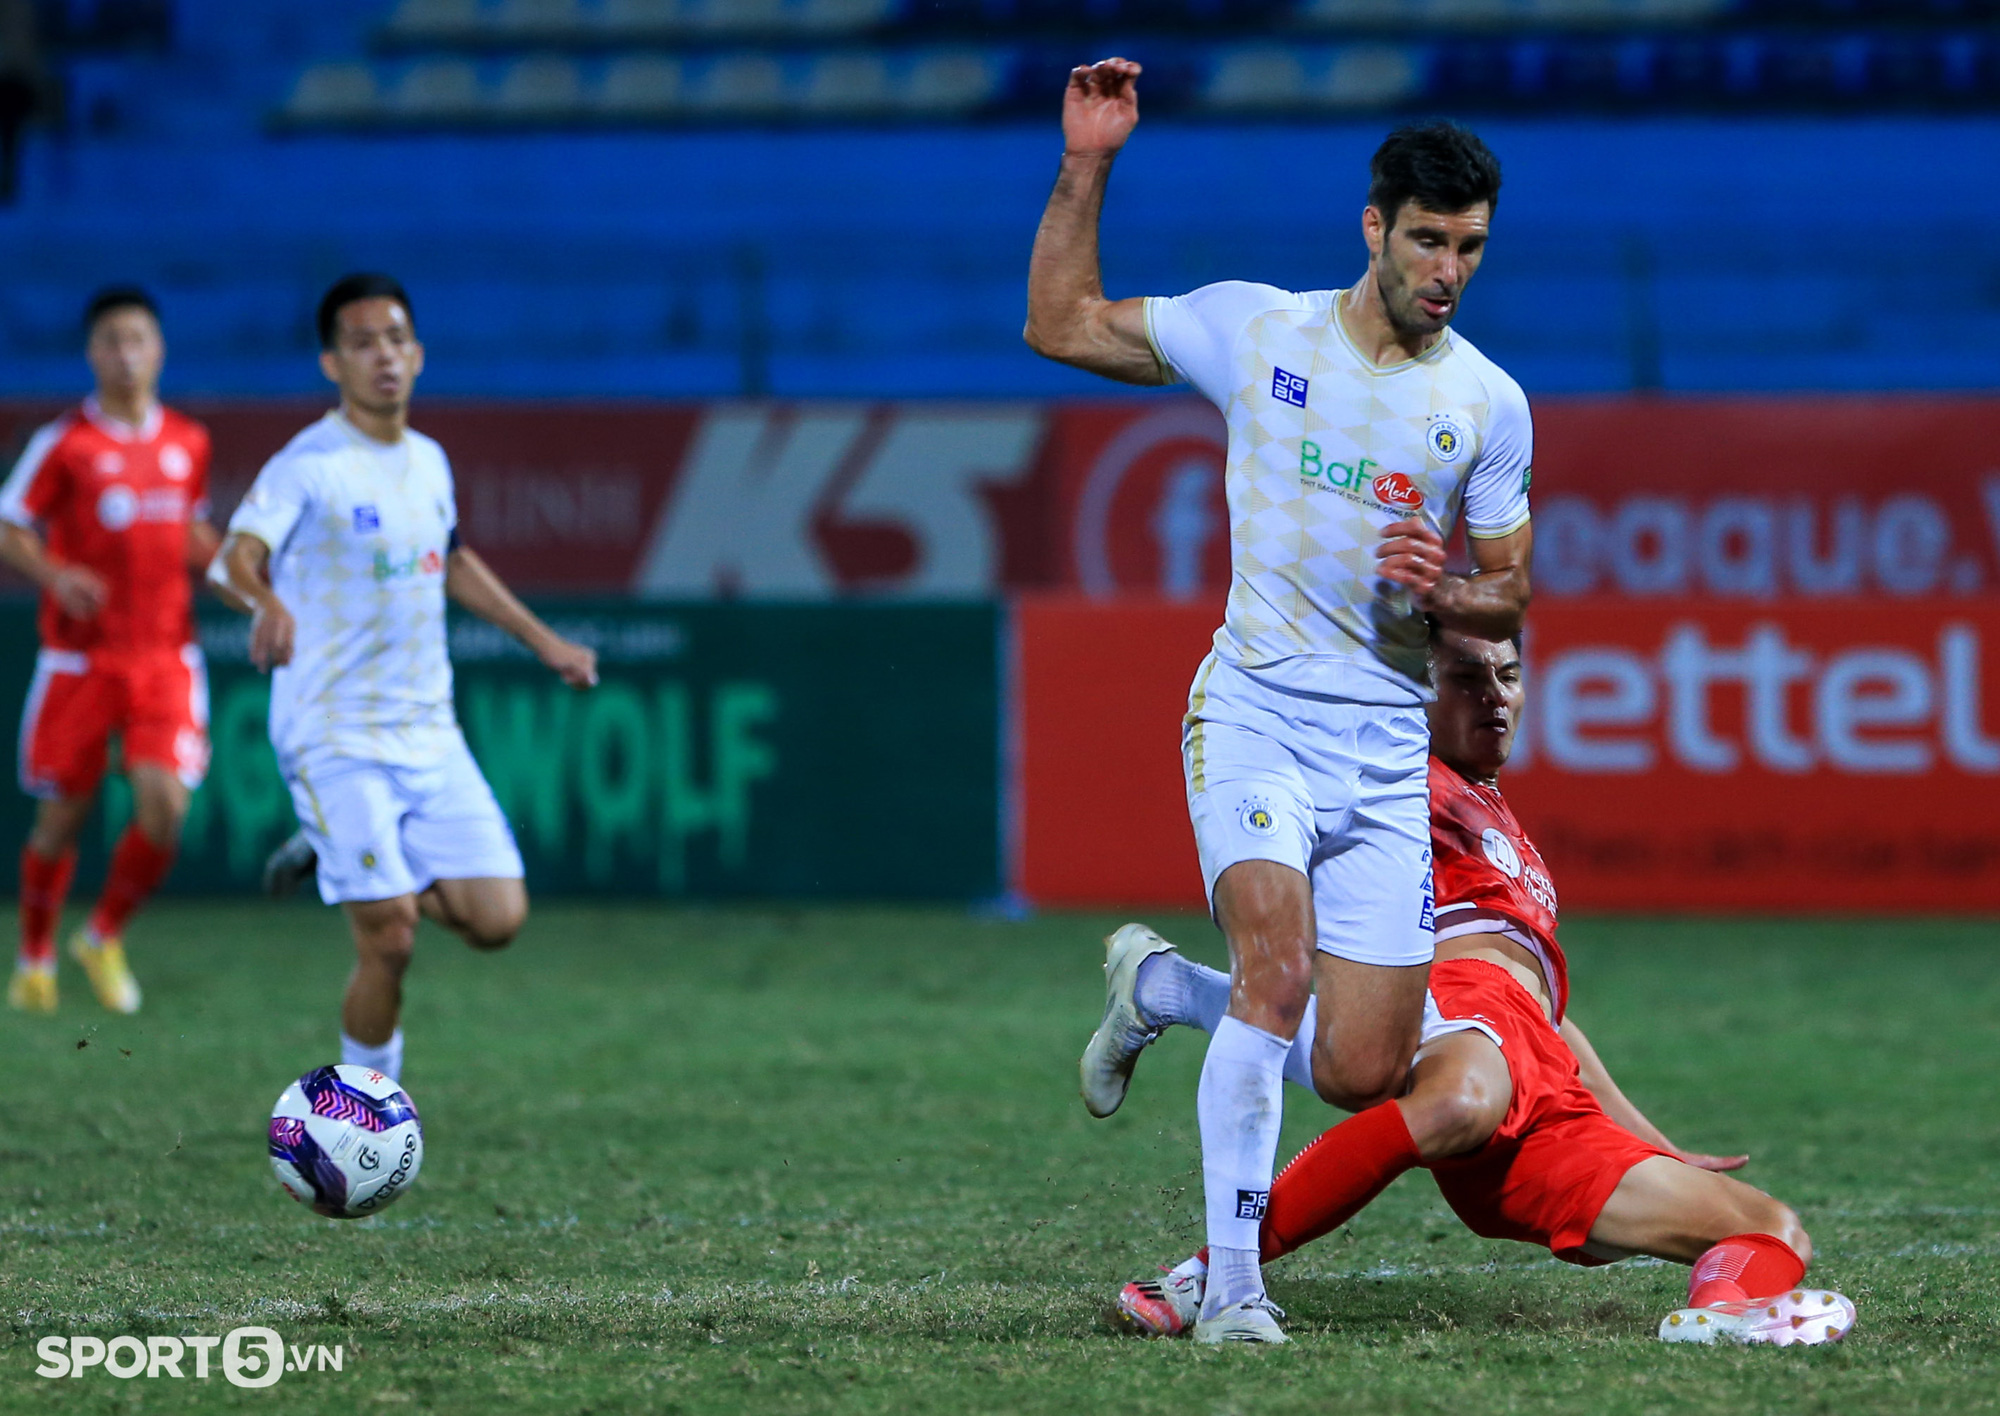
346 1141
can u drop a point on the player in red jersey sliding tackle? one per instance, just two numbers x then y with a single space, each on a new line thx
107 512
1509 1106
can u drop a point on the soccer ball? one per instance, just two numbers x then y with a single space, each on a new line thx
346 1140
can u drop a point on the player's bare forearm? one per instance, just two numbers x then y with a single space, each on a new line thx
23 551
240 573
1069 320
470 581
1492 601
203 539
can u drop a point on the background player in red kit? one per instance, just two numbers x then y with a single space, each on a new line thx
1509 1106
107 511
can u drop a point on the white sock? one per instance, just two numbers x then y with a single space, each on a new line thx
1193 1266
1203 995
386 1059
1172 989
1240 1106
1234 1276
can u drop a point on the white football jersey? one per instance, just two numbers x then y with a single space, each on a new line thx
359 531
1325 449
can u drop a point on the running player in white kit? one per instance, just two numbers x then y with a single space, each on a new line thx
1360 429
345 550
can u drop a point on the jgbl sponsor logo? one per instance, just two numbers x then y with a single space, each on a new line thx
250 1357
1713 705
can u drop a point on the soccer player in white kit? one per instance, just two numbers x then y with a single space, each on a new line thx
344 550
1360 429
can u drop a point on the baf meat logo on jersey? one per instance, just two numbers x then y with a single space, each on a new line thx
1397 492
1446 438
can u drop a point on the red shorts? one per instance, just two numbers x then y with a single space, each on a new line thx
156 700
1545 1175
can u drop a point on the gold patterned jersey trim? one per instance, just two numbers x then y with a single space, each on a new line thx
1479 535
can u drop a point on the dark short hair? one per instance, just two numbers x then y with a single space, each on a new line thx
350 289
1440 166
116 297
1436 627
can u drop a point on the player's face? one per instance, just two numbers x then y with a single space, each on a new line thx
1478 704
375 357
1423 263
126 352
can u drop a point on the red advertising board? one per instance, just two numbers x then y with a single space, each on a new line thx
1832 756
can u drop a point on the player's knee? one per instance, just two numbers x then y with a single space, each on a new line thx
1357 1081
387 936
495 930
1455 1117
492 924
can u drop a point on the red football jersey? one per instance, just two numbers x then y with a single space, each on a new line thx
1489 877
119 501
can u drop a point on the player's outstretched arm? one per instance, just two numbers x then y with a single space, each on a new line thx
1069 320
78 589
241 576
469 580
1595 1075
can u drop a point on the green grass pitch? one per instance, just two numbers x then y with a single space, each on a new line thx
777 1160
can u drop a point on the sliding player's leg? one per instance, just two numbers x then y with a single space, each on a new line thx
1459 1095
1749 1255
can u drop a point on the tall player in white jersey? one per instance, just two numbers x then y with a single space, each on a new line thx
345 550
1360 430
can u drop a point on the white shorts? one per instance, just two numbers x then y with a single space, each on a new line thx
1338 791
381 831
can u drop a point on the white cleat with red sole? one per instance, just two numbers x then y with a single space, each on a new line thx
1804 1317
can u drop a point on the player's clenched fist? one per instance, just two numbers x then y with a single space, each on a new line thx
272 631
1411 554
1101 106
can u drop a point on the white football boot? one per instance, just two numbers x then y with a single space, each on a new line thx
1166 1306
1123 1034
1253 1320
1802 1317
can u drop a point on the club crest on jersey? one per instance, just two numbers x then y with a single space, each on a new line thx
366 519
1258 818
117 508
1446 438
175 464
1397 492
1288 388
1501 852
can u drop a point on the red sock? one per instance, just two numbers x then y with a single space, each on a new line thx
137 868
1334 1178
44 887
1742 1267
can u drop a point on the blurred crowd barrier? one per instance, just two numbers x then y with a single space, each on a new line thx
1764 655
